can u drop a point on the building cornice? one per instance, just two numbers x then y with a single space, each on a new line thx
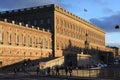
59 9
73 16
5 21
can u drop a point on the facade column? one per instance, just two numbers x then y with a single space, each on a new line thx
54 36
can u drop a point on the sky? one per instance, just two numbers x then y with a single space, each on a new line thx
102 13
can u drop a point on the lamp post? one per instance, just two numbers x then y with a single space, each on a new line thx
1 65
86 43
41 50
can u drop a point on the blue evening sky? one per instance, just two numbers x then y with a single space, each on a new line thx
103 13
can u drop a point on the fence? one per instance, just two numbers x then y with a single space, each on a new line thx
103 73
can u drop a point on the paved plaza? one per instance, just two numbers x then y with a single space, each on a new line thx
33 76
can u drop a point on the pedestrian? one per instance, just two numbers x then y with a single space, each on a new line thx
53 70
37 70
70 71
57 70
15 70
48 71
66 70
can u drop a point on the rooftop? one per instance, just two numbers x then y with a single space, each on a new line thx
54 7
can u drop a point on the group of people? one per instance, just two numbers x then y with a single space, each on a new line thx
55 70
68 70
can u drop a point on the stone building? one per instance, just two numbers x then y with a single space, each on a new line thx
69 34
19 42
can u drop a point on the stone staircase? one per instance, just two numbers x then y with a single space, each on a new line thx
25 64
59 61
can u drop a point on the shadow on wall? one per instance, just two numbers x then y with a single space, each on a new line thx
24 65
71 52
70 58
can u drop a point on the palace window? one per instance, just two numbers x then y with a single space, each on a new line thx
9 38
46 44
30 41
28 23
17 39
17 30
23 23
24 40
57 20
64 24
1 37
41 21
36 41
61 22
1 27
9 28
35 22
48 21
41 43
57 45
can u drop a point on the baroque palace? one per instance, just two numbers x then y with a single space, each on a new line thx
44 31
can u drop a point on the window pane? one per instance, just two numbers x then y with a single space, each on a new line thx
35 22
48 21
41 21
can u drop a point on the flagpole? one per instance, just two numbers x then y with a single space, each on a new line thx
85 11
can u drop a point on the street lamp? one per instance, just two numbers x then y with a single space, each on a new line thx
41 50
1 65
86 43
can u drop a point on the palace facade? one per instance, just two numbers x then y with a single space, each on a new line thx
45 31
18 43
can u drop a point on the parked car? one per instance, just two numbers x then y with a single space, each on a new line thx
116 61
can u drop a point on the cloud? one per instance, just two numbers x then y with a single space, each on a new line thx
107 23
108 10
101 2
115 44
